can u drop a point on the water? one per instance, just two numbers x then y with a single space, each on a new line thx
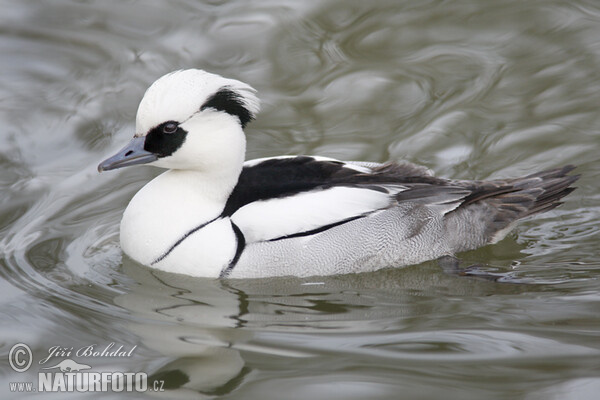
472 90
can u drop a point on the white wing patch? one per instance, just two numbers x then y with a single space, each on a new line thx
256 161
364 167
274 218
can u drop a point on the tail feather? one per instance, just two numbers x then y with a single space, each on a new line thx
546 188
493 207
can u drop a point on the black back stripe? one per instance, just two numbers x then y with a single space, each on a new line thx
241 243
178 242
276 178
318 230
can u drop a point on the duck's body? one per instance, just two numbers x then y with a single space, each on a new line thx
213 215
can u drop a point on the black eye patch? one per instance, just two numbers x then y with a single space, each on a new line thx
164 139
230 102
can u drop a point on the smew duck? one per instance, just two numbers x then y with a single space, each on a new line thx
213 215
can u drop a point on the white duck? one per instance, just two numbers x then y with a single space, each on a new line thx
214 215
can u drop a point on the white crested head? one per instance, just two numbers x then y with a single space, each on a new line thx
192 120
179 95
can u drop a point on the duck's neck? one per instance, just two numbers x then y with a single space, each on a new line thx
212 187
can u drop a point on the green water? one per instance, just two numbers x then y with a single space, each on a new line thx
470 89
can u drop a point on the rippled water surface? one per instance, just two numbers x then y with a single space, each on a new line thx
470 89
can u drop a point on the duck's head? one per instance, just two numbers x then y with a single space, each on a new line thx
192 120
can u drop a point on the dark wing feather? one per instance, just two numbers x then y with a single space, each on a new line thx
282 177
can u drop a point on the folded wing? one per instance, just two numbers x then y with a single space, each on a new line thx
292 196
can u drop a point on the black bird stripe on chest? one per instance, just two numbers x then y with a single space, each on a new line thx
241 243
240 240
181 239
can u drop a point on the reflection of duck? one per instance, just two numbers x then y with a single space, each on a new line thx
213 215
211 332
189 328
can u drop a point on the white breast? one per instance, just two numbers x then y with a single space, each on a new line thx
164 211
204 253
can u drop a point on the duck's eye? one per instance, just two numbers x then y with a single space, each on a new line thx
170 128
